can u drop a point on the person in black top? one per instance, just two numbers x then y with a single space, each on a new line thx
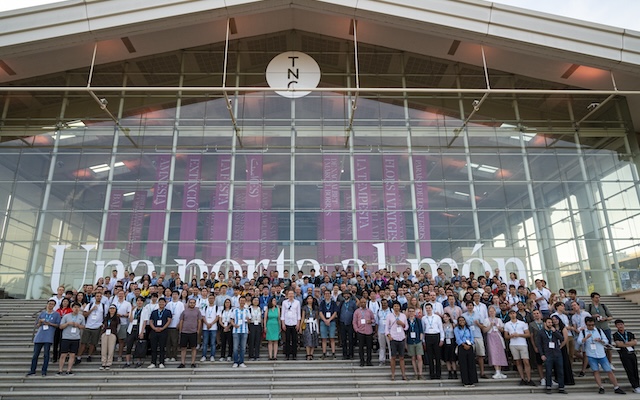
548 341
625 342
159 321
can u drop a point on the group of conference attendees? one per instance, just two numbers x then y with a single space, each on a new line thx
453 322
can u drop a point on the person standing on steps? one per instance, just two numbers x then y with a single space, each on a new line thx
625 342
189 328
595 340
46 323
601 314
434 340
383 340
345 316
72 326
363 320
466 355
328 317
395 326
159 322
290 319
548 342
517 333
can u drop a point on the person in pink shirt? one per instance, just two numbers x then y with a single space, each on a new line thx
395 326
363 320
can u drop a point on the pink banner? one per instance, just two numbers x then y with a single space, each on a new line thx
265 221
331 206
395 229
363 200
159 204
422 205
113 219
237 231
190 206
137 222
218 222
346 226
253 204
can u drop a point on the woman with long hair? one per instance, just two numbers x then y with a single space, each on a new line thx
226 336
184 296
80 299
466 355
495 344
272 327
566 362
449 347
310 317
255 329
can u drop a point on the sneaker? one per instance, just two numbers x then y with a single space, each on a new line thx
228 358
242 365
89 359
543 382
612 367
161 366
172 359
522 382
203 359
222 359
562 391
601 390
44 374
77 361
212 359
181 366
69 373
151 366
107 368
381 364
193 366
554 384
619 390
138 365
101 368
497 375
503 376
581 374
636 390
30 374
548 391
127 365
234 365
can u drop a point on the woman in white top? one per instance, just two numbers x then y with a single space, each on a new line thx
255 329
226 336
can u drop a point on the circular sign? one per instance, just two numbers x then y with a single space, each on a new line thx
292 70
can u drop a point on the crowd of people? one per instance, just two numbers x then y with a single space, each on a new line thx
437 322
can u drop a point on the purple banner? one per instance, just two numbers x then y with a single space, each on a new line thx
113 219
395 230
422 205
218 222
190 206
346 227
265 222
237 231
137 222
159 204
253 204
331 206
363 200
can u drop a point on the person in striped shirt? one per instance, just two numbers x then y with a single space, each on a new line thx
239 321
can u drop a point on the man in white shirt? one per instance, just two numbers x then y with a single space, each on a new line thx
94 313
290 320
58 297
383 340
177 308
436 307
517 333
578 325
542 297
209 328
480 307
434 340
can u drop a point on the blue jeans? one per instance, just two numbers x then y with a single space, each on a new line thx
239 345
37 348
209 340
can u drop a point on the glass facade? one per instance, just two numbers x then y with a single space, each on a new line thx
521 187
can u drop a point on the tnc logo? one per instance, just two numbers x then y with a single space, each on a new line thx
293 70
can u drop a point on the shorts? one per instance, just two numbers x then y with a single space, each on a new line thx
327 332
69 346
519 352
122 332
415 350
602 362
189 340
479 347
90 336
397 348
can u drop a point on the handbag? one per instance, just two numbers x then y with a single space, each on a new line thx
141 348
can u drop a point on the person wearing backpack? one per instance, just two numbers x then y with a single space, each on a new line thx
602 316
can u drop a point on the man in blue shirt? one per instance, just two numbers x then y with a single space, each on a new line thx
347 308
47 322
594 341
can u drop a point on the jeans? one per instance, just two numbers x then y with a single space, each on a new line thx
209 340
239 345
37 348
554 361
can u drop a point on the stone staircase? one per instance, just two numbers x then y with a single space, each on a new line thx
262 379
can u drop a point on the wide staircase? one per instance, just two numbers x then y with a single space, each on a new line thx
262 379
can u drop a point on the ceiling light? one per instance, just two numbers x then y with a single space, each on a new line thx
129 194
99 168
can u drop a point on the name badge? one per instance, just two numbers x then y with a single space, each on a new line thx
107 332
134 322
399 329
159 322
74 330
593 346
630 349
363 321
327 315
494 329
94 317
45 327
447 341
552 345
413 335
256 323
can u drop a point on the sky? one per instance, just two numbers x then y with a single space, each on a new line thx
620 13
